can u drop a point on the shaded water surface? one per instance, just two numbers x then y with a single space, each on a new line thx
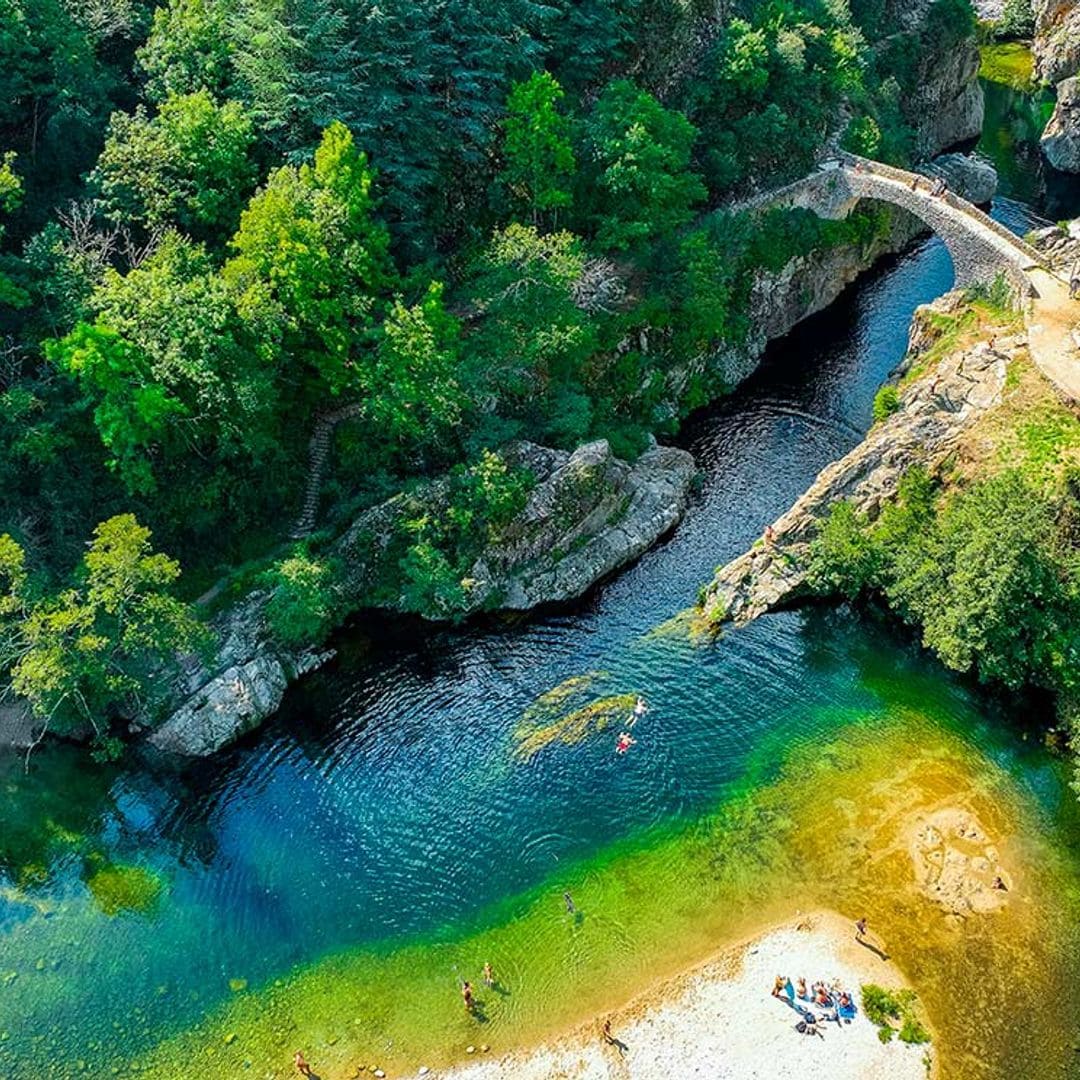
405 817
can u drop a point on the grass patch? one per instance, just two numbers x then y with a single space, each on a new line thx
1009 63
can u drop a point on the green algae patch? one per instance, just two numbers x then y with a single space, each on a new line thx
690 625
1008 63
552 701
576 726
832 825
118 888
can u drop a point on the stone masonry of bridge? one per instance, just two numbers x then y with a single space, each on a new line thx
981 249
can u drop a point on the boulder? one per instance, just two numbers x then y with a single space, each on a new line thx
969 177
230 704
1061 139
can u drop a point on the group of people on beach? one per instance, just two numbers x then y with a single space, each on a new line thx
833 1003
625 739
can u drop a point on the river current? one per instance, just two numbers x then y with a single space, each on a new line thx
394 825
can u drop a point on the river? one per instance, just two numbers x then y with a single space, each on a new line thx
403 819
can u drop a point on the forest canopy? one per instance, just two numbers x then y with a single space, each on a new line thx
443 226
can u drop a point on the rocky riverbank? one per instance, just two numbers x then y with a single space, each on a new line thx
587 514
935 409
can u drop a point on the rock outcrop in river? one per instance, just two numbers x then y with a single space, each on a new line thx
935 410
588 514
1057 62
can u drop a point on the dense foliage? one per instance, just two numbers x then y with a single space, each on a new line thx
991 574
441 225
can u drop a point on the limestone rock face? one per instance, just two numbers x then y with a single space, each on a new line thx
588 514
949 101
1061 139
1057 39
935 410
591 514
230 704
969 177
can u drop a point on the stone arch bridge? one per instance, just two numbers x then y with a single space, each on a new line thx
981 248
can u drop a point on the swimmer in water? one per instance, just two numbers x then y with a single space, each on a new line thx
569 903
624 742
639 710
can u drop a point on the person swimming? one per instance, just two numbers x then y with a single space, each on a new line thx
624 742
641 707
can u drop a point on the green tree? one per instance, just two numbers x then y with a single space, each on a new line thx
188 165
11 193
304 599
310 263
413 392
188 50
532 342
640 155
96 649
536 146
184 396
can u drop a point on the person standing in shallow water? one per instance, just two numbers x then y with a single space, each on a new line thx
569 903
467 996
302 1067
489 975
860 929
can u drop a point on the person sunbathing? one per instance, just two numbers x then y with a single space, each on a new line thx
800 989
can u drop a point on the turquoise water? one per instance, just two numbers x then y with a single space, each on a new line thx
389 806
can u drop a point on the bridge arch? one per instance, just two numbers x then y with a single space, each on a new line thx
981 248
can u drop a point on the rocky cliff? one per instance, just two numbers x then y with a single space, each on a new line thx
1057 40
1057 62
588 514
935 411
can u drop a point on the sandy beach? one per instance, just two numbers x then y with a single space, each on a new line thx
720 1021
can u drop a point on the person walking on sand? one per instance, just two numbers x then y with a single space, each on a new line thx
467 996
489 975
608 1037
302 1067
860 929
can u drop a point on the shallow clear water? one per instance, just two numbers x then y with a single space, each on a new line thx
387 825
